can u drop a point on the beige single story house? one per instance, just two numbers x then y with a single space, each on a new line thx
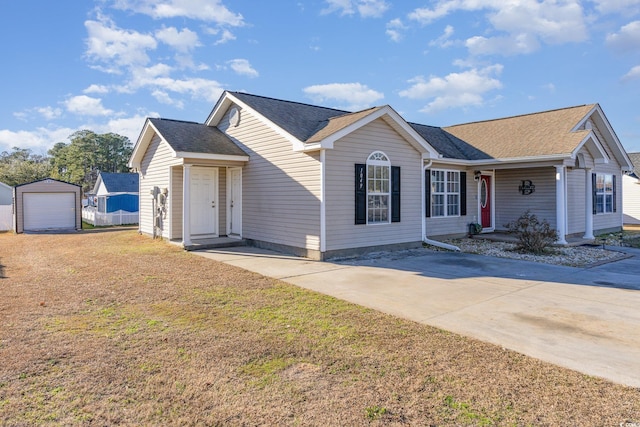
631 191
321 182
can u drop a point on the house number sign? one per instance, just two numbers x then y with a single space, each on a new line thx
527 187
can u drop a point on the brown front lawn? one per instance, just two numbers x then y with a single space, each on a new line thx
108 327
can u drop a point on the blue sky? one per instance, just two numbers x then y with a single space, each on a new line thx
106 65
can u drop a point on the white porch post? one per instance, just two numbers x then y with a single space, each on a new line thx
588 223
186 205
560 205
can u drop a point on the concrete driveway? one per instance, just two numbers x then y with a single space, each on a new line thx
583 319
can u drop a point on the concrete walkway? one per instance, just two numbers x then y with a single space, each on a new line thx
584 319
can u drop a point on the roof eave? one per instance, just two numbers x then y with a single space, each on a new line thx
402 127
211 156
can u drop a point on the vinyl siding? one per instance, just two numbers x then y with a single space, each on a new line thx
510 204
45 186
175 202
455 225
631 199
281 188
154 172
342 233
576 201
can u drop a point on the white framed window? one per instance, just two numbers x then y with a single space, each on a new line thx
445 193
604 193
378 188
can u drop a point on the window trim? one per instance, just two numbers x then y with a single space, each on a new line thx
378 159
604 193
446 193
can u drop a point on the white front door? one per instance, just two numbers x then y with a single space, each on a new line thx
235 202
204 202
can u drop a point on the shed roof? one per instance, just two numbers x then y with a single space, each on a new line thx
530 135
119 182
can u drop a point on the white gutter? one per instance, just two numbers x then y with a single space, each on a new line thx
424 228
441 245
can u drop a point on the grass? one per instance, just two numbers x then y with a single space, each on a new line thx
115 328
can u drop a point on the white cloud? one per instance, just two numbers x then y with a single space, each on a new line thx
94 88
242 67
627 39
445 39
628 7
202 10
183 41
355 96
456 89
125 126
49 113
115 47
525 22
394 29
86 106
509 45
225 37
633 73
372 8
38 141
365 8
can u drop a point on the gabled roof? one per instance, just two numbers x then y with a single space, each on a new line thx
448 145
118 182
635 160
546 133
311 127
191 137
298 119
187 139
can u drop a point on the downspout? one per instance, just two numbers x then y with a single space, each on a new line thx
424 220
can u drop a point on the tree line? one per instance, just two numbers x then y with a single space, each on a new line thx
78 162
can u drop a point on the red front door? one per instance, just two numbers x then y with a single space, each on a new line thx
485 201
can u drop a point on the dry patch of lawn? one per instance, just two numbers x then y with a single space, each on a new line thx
114 328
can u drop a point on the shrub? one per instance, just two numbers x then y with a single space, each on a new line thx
533 235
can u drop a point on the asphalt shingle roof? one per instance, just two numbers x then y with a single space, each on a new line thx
194 137
120 182
538 134
300 120
635 159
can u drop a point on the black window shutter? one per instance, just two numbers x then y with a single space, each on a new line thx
427 192
614 193
593 192
361 194
395 193
463 193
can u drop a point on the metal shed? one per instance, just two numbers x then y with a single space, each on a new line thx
47 204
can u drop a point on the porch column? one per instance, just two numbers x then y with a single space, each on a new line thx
560 205
588 215
186 205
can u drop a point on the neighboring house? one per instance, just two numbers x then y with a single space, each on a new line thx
631 190
47 204
6 207
321 182
116 191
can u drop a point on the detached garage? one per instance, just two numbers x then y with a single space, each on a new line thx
48 204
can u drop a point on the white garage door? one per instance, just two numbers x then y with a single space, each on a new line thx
48 211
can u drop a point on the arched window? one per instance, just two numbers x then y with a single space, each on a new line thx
378 188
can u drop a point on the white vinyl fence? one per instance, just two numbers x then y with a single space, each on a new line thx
6 217
120 217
